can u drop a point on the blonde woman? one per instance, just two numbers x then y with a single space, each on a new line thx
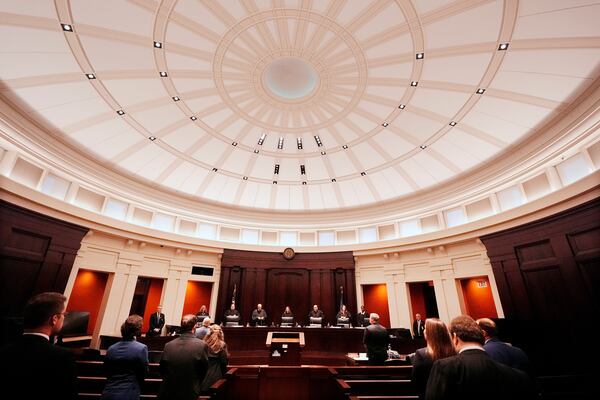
217 356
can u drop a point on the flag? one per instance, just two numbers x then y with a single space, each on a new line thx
341 297
233 296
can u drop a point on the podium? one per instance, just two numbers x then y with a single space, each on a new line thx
285 347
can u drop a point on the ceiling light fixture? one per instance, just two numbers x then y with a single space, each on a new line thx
193 118
256 151
363 173
120 112
299 143
453 123
414 83
420 56
276 169
262 138
318 140
302 170
153 138
503 46
323 153
333 180
214 170
158 45
245 178
176 98
67 27
480 91
423 146
234 144
385 124
90 76
274 182
402 106
345 146
304 182
163 74
280 143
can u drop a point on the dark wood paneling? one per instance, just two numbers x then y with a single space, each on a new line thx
548 277
268 278
36 255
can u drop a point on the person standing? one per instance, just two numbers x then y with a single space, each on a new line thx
157 321
32 367
472 373
217 356
126 363
204 328
439 346
259 316
500 351
418 326
183 364
362 318
376 340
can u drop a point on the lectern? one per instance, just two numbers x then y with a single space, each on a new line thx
284 347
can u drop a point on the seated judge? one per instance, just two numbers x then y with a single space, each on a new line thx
362 318
315 313
202 313
157 321
287 313
343 316
232 312
259 316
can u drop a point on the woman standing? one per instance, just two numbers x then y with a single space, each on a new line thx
126 363
439 345
217 356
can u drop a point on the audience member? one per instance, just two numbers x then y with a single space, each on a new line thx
126 363
217 356
315 313
472 374
204 328
418 326
157 321
500 351
439 346
362 318
183 364
343 316
32 367
202 313
259 316
376 340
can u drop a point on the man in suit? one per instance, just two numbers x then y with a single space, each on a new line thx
376 340
33 367
157 321
500 351
259 316
472 373
418 326
362 317
183 364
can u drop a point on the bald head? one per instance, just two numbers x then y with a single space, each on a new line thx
188 322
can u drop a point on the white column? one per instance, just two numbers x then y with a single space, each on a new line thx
553 178
8 162
403 303
494 287
451 293
392 301
214 294
440 298
71 192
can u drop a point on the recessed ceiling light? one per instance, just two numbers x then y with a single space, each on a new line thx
67 27
318 140
420 56
193 118
323 153
299 143
214 170
90 76
120 112
234 143
385 124
158 45
304 182
261 140
453 123
363 173
256 151
480 91
345 146
503 46
280 143
153 138
276 169
414 83
302 170
333 180
274 182
423 147
245 178
163 74
176 98
402 106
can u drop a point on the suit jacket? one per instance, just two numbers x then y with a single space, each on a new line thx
508 355
472 374
157 323
126 365
34 368
183 366
256 317
376 340
418 332
422 363
360 319
217 367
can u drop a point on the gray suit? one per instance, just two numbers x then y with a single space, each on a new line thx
376 340
183 367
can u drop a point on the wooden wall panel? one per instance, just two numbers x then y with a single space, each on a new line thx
548 278
268 278
36 255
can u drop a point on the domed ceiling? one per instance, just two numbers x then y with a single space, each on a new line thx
299 105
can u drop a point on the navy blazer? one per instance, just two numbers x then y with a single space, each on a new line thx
508 355
34 368
126 366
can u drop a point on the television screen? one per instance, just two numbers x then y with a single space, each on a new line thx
76 323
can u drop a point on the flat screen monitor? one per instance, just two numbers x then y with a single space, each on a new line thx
75 324
231 323
287 320
316 320
232 318
345 322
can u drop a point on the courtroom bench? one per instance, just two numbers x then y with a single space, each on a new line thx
372 372
372 387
